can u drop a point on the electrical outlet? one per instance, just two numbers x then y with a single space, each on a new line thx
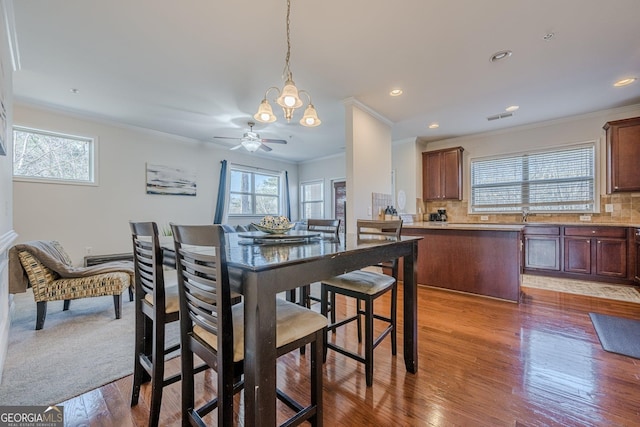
484 218
608 207
369 211
88 250
585 217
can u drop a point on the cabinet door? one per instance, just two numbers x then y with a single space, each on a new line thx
542 253
431 173
623 155
637 259
451 164
577 255
611 257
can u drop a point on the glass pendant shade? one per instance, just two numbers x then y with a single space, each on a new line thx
251 145
310 117
265 113
289 97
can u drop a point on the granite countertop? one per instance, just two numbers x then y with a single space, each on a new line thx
506 226
464 226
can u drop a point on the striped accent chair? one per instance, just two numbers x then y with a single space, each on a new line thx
49 286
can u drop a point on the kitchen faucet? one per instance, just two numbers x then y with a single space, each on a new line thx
525 214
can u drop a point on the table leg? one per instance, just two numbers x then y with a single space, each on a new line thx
259 349
410 305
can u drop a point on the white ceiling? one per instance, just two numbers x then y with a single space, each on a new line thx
199 68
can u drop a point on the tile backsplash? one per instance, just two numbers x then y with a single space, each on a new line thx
626 210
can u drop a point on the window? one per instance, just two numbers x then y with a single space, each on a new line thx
253 193
49 156
559 180
312 199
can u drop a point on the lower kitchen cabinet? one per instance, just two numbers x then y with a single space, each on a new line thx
599 253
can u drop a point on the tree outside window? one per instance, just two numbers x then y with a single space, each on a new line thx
253 193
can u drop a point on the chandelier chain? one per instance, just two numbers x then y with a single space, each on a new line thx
287 70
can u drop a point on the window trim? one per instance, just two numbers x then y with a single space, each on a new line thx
321 200
596 177
253 171
93 158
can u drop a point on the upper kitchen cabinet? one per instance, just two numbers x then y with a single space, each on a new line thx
442 174
623 155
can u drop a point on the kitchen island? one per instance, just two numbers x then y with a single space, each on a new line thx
484 259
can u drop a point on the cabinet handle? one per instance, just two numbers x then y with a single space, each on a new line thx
593 231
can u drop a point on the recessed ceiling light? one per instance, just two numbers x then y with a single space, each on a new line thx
512 108
74 90
548 36
396 92
625 82
434 126
503 54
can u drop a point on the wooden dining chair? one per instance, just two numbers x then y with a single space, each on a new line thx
156 300
213 329
366 286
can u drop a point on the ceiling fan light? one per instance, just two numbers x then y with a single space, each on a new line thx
289 97
265 113
310 118
251 145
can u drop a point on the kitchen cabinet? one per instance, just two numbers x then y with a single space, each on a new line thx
636 255
442 174
623 155
596 251
542 249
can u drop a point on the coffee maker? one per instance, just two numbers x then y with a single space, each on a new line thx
442 215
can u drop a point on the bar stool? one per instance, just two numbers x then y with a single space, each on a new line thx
212 328
156 299
366 286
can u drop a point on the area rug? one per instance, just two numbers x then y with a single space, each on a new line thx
618 334
581 287
77 350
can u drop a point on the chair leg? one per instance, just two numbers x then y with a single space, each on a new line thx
188 405
41 314
117 303
323 311
139 373
317 353
65 305
332 307
131 292
394 317
368 341
359 320
157 373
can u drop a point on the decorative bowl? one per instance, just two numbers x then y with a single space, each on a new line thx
282 229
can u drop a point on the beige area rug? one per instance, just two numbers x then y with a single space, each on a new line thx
581 287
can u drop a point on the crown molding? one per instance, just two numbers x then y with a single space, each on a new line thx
351 101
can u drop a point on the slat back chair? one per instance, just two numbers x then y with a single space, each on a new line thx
213 329
366 286
156 300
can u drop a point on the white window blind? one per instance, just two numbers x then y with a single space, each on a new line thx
559 180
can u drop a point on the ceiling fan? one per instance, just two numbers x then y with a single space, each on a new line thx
251 141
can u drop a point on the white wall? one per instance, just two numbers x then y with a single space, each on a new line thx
98 216
368 160
407 164
7 234
327 169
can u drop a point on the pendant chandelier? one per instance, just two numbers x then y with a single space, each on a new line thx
289 97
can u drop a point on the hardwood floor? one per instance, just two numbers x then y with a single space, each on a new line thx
482 362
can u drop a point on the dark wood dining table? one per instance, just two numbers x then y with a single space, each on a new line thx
260 270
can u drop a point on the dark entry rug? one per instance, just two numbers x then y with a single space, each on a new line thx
618 334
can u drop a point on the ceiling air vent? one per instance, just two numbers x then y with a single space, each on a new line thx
499 116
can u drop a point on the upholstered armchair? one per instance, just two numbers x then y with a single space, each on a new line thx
47 268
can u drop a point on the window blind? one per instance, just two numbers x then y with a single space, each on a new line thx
560 180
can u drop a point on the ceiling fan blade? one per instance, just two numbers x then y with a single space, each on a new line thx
236 147
265 148
225 137
274 141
